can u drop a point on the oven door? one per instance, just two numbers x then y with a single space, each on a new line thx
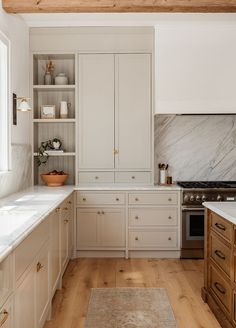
192 227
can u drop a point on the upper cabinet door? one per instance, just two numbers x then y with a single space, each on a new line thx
133 111
96 111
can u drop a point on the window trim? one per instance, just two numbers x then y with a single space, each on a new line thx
5 167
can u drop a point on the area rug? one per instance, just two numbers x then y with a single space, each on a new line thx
129 308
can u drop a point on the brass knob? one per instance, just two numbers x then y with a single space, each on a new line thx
69 202
136 199
65 208
115 151
84 199
136 238
169 238
39 266
169 199
136 217
133 177
5 313
117 199
96 177
98 212
102 212
66 221
58 209
169 217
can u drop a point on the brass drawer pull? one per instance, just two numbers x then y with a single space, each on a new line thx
4 319
169 238
66 221
170 199
136 238
133 177
136 217
136 199
39 267
103 212
220 255
220 226
117 199
169 217
98 212
96 178
84 199
70 202
220 288
65 208
58 209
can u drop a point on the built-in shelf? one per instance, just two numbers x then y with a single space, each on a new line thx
54 87
54 120
59 154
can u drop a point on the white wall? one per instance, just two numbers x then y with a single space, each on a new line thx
17 31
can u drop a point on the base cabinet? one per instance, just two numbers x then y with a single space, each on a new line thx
6 315
55 261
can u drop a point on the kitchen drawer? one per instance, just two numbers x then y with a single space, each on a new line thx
28 249
220 252
153 216
221 226
96 177
157 198
163 239
6 278
133 177
100 198
220 288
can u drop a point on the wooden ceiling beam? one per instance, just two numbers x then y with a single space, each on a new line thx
118 6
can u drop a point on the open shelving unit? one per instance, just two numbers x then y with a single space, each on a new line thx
61 128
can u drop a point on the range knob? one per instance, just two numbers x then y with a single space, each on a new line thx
219 198
186 198
204 198
192 198
198 198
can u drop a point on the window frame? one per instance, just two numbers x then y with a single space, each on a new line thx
6 115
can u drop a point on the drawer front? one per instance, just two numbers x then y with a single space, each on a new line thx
85 198
133 177
220 253
153 239
96 177
6 279
222 226
161 198
220 288
28 249
153 216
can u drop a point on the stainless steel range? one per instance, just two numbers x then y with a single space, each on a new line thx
193 195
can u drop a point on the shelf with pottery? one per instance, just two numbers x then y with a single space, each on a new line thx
54 116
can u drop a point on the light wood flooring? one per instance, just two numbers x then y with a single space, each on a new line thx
182 279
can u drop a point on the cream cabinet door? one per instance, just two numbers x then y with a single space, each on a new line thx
96 111
25 302
133 111
112 227
87 221
42 285
54 250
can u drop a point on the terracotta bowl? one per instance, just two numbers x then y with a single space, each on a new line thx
54 180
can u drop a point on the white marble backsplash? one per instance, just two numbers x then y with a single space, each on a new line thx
20 176
196 147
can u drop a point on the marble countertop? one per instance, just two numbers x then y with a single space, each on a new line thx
125 187
20 213
225 209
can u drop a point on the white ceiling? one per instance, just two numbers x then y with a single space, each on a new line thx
122 19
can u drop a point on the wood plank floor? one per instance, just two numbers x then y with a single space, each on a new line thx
182 279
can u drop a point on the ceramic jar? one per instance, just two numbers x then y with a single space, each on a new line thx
48 78
61 79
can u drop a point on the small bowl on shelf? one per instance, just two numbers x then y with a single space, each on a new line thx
54 178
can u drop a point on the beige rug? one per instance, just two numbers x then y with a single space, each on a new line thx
129 308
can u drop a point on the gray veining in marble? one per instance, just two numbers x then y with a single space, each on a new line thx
196 147
20 175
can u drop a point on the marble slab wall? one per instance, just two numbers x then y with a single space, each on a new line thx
20 176
196 147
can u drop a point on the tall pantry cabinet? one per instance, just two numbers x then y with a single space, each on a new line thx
115 118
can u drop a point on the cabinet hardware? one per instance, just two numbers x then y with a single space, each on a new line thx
84 199
4 319
136 217
169 238
117 199
133 177
58 209
66 221
136 238
220 255
115 151
98 212
39 266
169 217
169 199
70 202
220 226
136 199
103 212
66 208
96 177
219 287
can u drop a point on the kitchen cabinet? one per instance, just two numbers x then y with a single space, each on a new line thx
100 227
6 315
55 260
6 279
115 110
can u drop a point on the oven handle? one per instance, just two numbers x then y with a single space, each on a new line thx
185 209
